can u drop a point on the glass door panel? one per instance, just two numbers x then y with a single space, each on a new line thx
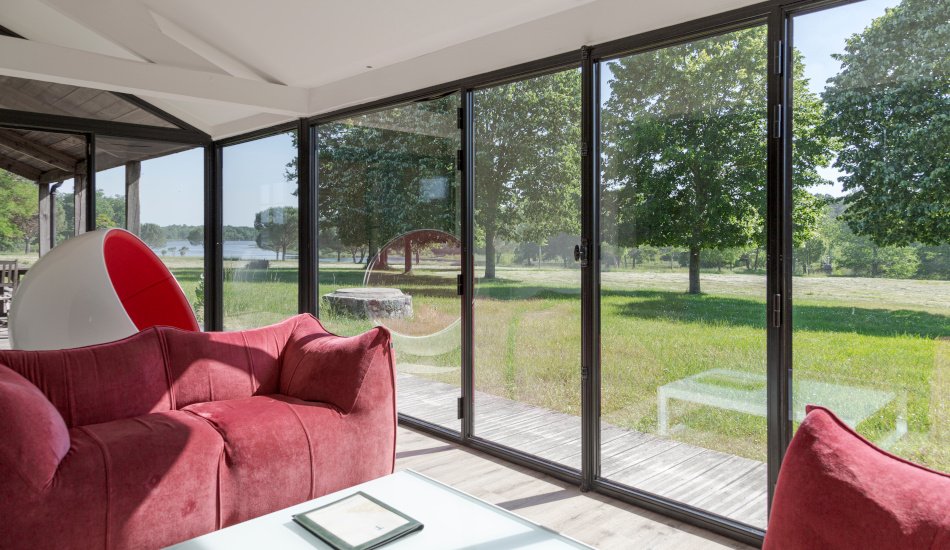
871 276
388 231
527 312
683 273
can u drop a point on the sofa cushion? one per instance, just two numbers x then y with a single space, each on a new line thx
34 436
837 490
319 366
267 462
94 384
161 479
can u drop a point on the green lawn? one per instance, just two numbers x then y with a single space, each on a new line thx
856 333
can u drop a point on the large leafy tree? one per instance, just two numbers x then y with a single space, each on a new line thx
387 173
19 221
527 162
890 108
685 146
277 229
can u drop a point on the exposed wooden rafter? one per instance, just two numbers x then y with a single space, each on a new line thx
40 152
20 168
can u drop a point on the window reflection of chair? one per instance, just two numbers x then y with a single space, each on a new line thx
745 392
446 340
9 278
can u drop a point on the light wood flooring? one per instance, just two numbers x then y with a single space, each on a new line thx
591 518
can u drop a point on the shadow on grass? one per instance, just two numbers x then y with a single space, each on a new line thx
686 308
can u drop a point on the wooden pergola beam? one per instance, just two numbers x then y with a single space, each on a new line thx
20 168
38 151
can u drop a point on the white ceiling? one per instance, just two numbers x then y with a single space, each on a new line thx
229 67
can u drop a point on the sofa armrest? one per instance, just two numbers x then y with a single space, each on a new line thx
319 366
35 437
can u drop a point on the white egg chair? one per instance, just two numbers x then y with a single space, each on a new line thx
98 287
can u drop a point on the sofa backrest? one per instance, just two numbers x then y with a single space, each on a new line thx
158 369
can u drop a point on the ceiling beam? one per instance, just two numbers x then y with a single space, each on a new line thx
51 63
76 125
43 153
20 168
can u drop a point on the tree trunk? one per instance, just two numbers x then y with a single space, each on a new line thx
755 265
694 269
489 254
407 254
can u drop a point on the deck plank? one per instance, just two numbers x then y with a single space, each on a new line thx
719 482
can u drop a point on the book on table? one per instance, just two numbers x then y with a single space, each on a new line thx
357 522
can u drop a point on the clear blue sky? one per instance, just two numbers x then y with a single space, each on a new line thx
171 189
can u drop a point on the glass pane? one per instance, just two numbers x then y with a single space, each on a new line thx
260 231
171 195
683 273
389 247
527 295
872 213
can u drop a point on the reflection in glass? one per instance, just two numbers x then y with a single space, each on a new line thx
527 315
683 273
871 332
389 248
260 231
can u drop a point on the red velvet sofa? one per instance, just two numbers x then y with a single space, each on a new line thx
837 490
169 434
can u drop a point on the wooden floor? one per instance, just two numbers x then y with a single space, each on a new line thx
591 518
4 338
725 484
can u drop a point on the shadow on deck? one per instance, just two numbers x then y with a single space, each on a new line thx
728 485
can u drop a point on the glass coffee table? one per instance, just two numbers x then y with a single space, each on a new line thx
451 519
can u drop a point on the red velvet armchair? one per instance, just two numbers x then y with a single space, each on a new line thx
167 434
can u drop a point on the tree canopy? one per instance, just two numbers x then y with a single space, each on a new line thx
527 161
889 106
685 145
387 173
19 223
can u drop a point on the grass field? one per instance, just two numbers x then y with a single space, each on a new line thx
883 334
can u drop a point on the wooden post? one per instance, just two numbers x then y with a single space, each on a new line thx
79 199
45 220
133 221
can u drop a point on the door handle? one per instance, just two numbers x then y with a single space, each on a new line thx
577 252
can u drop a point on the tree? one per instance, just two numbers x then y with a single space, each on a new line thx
890 108
153 235
527 166
685 145
277 229
19 212
110 210
386 173
196 236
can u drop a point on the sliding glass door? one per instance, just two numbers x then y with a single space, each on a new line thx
527 307
389 244
683 325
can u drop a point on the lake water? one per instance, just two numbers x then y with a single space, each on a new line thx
241 250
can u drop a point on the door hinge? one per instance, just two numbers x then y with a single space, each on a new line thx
779 57
776 310
461 408
460 284
777 120
460 160
585 149
585 373
461 118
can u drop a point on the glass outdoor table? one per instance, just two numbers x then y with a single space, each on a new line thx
451 519
745 392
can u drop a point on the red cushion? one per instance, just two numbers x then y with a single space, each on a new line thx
837 490
319 366
33 436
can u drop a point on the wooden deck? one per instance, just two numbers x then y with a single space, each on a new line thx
725 484
4 338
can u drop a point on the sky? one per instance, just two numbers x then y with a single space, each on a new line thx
171 187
